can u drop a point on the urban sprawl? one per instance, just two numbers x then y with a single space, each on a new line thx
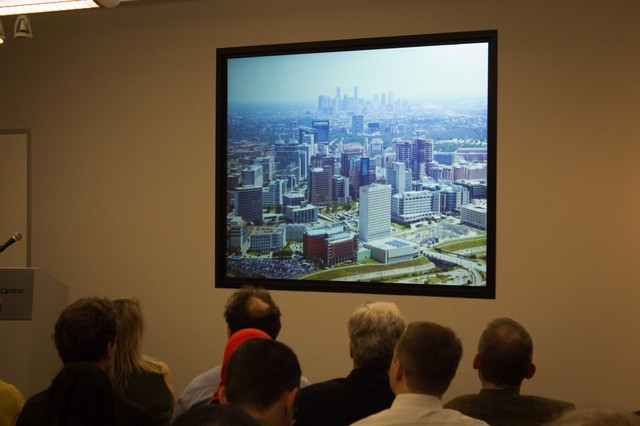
354 189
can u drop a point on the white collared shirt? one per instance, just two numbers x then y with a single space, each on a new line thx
418 409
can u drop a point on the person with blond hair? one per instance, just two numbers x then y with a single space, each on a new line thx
136 376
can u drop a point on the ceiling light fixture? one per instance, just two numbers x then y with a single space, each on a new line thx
18 7
22 27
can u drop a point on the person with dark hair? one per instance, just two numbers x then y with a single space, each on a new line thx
247 307
503 361
85 332
374 329
233 343
424 364
216 415
263 378
81 394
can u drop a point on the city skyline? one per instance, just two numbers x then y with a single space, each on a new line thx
413 73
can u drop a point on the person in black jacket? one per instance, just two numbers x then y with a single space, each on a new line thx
84 332
374 329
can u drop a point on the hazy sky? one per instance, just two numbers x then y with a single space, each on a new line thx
410 73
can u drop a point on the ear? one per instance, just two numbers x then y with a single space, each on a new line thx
396 371
222 395
290 401
350 350
530 371
228 332
111 351
476 362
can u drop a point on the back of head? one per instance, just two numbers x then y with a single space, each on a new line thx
374 329
429 354
81 394
505 351
259 372
216 415
84 330
128 356
251 307
596 417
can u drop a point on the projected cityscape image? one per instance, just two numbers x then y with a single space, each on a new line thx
360 166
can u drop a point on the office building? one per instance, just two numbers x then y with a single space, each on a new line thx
375 212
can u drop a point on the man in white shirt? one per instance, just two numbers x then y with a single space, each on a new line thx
248 307
424 363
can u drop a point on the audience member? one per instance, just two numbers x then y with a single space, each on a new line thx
374 329
425 361
81 394
234 341
247 307
138 377
85 332
596 417
504 360
263 378
11 402
216 415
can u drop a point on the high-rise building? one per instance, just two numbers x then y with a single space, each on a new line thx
268 167
414 206
362 172
248 203
375 212
252 176
322 126
350 151
287 160
320 190
341 189
272 195
357 124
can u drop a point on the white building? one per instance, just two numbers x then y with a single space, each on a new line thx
375 212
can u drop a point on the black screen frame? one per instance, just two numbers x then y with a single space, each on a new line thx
225 54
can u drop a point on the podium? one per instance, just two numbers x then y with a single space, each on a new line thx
30 302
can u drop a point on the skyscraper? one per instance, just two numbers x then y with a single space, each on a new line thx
248 203
375 212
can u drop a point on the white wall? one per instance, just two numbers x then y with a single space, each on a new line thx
121 107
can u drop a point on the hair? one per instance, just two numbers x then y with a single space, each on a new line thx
429 354
235 340
251 307
259 372
374 328
505 351
129 357
216 415
81 394
596 417
84 330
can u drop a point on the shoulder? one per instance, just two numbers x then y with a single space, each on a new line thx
539 400
128 413
461 400
34 411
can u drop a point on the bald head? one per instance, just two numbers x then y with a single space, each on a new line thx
505 352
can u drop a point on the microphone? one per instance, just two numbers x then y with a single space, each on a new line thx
14 238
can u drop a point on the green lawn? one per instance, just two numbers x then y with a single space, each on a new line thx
342 272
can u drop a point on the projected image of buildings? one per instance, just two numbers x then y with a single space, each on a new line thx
380 182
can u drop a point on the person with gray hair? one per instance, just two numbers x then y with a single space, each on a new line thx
374 328
424 363
503 361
